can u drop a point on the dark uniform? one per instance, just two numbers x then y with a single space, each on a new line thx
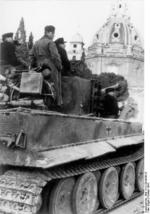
105 104
9 60
111 108
98 102
45 54
8 49
66 67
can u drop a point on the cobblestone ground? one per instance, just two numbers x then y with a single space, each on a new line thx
133 207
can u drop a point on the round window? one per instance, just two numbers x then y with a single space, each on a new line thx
116 35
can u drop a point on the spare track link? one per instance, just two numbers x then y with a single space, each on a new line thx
20 192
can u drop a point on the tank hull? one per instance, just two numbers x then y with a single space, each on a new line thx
35 138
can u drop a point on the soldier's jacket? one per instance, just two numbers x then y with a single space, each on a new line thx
8 55
65 61
45 52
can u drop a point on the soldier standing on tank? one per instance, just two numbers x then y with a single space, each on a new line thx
8 56
45 54
66 67
9 62
8 53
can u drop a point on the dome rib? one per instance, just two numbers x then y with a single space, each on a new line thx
126 31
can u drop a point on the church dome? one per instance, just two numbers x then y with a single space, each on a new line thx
77 38
118 29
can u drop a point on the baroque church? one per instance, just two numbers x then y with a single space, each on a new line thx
117 48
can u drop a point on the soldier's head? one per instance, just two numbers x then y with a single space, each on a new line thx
60 42
7 37
50 31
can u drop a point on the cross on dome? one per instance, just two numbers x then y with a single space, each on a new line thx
119 8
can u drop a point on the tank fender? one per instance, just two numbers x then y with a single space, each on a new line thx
117 143
86 150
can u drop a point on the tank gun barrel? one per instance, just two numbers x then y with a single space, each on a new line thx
112 87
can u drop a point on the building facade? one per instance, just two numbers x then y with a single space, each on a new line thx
76 47
117 48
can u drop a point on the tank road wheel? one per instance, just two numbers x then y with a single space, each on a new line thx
108 188
140 175
61 197
85 194
127 182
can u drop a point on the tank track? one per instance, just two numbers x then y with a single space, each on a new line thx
21 191
118 204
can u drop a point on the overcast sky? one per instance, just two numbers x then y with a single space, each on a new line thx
68 16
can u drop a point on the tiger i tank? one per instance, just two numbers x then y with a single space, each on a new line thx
67 161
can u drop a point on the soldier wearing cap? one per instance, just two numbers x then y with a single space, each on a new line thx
8 56
60 43
9 59
45 54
